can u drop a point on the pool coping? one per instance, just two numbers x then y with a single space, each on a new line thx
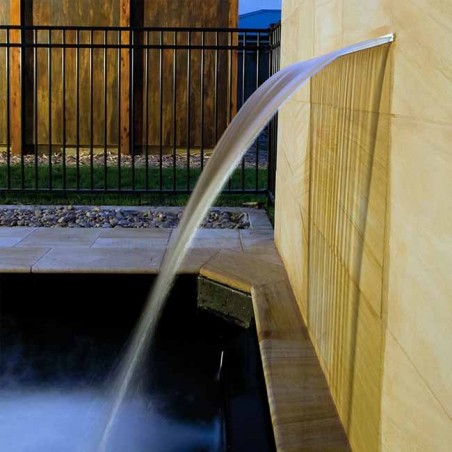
302 410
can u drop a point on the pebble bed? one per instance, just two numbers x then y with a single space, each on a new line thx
96 217
252 158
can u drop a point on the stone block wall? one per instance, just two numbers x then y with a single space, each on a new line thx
363 219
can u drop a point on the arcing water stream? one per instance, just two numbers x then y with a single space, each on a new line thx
239 135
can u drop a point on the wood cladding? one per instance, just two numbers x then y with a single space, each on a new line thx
71 107
200 90
124 87
80 91
86 13
4 18
4 13
191 13
83 95
199 74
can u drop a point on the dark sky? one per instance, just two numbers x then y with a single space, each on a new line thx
246 6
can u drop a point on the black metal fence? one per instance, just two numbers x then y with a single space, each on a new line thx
128 110
274 64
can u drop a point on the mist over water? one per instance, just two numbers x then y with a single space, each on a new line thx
56 360
66 421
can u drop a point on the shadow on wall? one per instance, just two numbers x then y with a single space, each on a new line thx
349 143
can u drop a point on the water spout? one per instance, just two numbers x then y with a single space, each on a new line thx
240 134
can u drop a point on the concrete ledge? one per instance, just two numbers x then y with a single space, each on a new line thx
231 305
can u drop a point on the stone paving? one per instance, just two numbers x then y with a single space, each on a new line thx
121 250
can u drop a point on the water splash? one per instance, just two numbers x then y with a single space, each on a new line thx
240 134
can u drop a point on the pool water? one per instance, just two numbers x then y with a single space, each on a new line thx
61 337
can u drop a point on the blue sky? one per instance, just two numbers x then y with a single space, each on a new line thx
246 6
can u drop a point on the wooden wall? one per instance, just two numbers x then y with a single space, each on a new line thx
73 13
51 103
4 12
190 87
193 13
202 99
4 19
87 13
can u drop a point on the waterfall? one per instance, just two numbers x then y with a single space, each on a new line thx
239 135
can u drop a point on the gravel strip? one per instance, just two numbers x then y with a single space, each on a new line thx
110 159
95 217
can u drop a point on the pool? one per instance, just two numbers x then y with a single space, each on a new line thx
61 336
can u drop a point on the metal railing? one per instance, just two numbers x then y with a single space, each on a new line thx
130 110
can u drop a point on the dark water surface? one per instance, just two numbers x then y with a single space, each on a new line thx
61 336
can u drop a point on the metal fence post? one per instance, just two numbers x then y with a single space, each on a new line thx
274 66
